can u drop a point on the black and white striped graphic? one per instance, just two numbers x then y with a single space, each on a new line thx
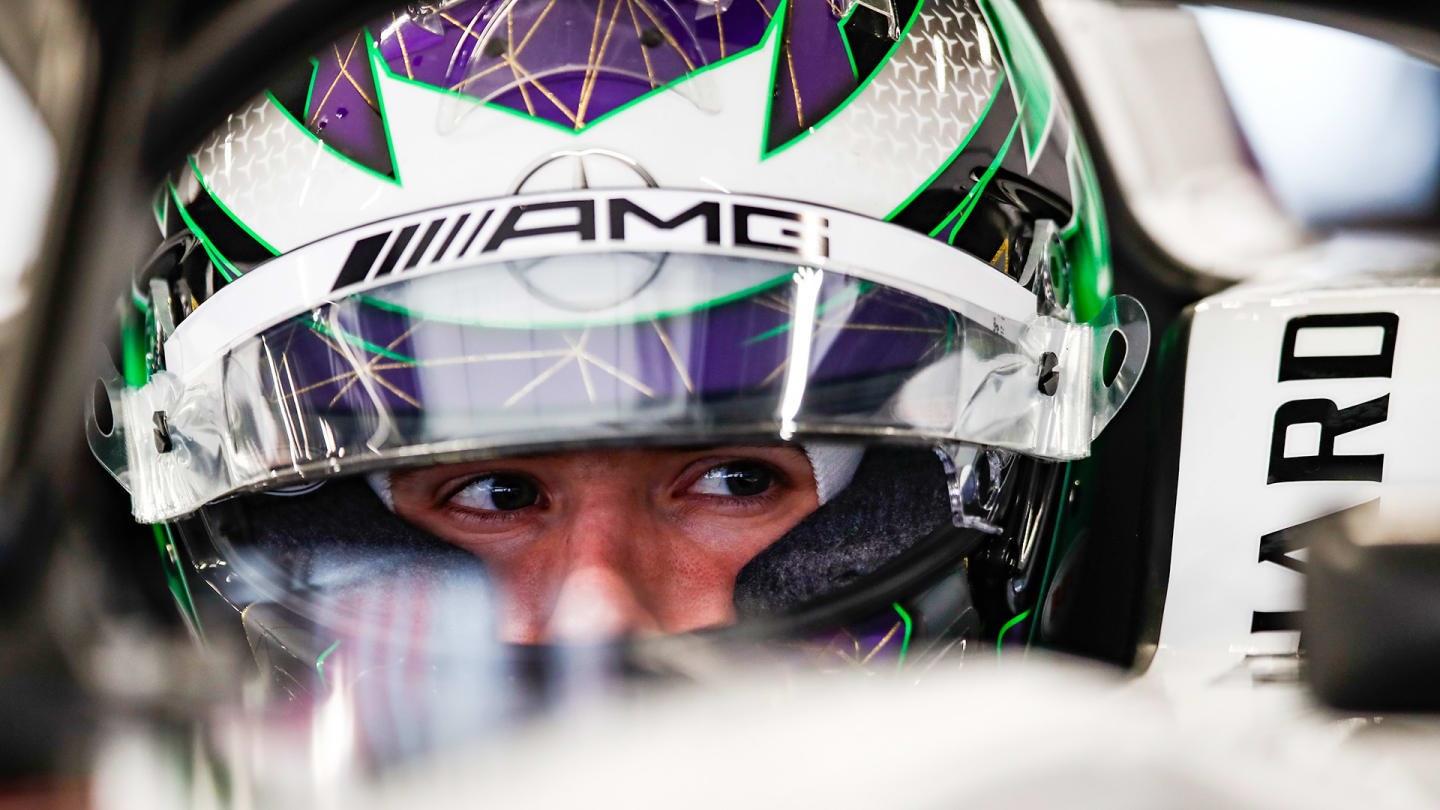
591 220
361 264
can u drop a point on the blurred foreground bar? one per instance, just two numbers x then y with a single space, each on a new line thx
1372 624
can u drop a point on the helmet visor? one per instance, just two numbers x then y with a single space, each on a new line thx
585 349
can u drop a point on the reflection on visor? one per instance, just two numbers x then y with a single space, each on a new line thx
370 356
607 347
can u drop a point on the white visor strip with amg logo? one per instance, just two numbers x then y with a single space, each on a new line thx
597 221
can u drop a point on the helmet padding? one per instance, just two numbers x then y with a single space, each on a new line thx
897 497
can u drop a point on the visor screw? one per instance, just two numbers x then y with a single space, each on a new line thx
162 433
1049 374
495 47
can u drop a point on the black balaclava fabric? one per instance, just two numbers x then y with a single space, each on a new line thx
897 497
339 535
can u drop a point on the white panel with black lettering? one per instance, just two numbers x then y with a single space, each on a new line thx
1296 405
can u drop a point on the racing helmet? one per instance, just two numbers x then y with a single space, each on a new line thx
860 241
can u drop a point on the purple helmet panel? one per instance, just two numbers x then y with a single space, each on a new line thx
572 63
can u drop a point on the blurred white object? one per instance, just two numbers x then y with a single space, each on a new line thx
1035 732
1047 733
1345 127
28 162
1168 132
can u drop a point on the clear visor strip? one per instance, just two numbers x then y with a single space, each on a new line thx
171 443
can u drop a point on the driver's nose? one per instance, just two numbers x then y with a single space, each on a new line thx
599 593
596 604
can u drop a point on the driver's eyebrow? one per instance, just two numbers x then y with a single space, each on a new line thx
476 465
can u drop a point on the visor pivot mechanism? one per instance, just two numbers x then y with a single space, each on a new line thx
977 476
1046 267
1049 374
163 443
427 15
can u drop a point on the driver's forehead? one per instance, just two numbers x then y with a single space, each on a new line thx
617 460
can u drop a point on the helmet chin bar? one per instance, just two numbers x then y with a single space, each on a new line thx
930 586
446 676
951 590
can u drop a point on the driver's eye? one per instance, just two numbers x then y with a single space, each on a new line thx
741 479
501 492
